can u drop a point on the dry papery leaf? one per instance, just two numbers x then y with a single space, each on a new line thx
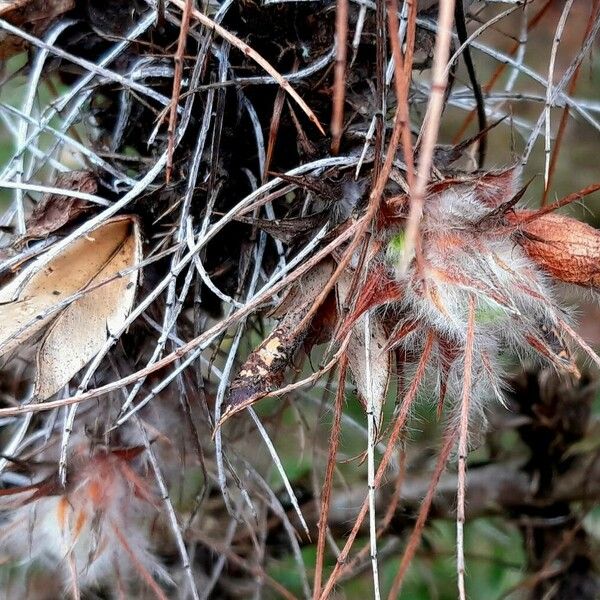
371 365
76 334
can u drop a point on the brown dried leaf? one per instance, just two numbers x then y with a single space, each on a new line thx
55 211
265 368
35 15
80 329
564 247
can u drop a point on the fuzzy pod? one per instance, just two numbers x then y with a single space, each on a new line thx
101 529
564 247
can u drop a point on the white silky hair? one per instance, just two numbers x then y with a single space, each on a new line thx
79 528
464 256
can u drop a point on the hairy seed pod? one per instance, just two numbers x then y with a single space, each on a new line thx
567 249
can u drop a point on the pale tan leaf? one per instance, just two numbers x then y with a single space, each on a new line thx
26 302
80 331
371 367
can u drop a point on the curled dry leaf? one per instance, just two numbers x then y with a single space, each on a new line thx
54 211
265 368
371 366
564 247
34 15
77 332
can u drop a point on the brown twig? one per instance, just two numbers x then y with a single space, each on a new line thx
339 86
273 130
430 128
425 507
255 56
535 20
394 435
334 438
181 43
402 75
573 197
